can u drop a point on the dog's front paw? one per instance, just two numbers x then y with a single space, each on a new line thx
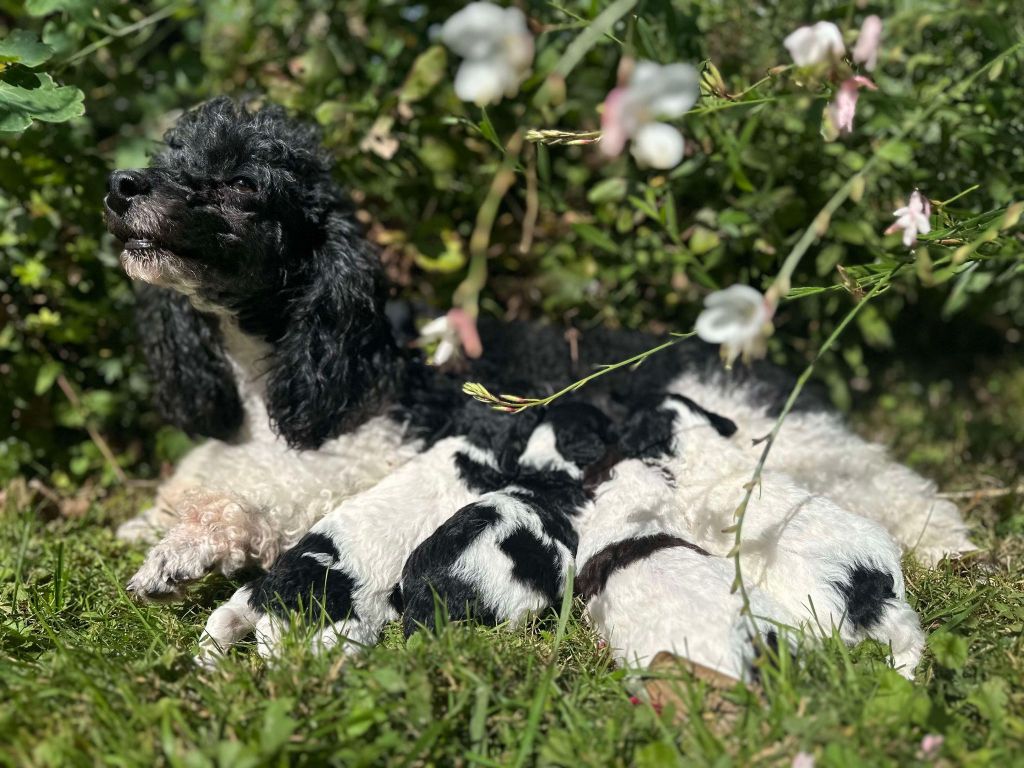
169 568
216 531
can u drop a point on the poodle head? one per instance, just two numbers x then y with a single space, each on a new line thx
239 212
229 210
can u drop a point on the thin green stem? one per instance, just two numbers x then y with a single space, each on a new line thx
467 295
587 39
544 691
517 404
769 441
138 26
958 195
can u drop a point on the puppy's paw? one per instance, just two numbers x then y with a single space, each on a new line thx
169 568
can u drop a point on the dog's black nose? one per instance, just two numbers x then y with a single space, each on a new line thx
122 186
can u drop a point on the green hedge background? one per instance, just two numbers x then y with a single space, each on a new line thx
610 243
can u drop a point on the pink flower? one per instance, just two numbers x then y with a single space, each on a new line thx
842 110
465 328
613 126
803 760
912 219
866 49
931 746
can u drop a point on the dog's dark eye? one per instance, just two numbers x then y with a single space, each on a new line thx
243 184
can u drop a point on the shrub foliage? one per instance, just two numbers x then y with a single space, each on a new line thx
89 86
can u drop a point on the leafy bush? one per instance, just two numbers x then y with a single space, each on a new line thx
575 238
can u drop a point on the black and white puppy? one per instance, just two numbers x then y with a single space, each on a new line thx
508 554
663 526
346 571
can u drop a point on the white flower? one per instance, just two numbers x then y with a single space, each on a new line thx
454 333
658 145
440 331
912 219
632 112
497 49
815 45
739 318
866 49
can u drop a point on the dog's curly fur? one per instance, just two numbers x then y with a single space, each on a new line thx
193 385
262 312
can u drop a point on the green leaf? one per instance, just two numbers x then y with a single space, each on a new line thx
703 240
451 259
608 191
896 152
44 7
487 129
897 700
278 726
47 102
594 236
22 47
874 328
949 649
426 72
991 698
45 376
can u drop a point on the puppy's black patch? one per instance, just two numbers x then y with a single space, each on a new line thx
193 383
395 599
866 591
648 434
479 477
428 571
298 582
592 578
553 493
534 562
582 432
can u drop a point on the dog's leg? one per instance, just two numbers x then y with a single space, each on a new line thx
226 626
215 529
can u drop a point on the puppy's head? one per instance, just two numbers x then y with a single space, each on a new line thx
228 209
571 436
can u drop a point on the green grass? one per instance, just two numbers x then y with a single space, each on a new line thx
88 677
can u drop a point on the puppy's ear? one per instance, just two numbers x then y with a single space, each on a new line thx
193 383
336 361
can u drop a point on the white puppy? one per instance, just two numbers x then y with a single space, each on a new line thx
824 566
648 589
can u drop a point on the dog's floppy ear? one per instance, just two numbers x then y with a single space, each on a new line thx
193 383
336 361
